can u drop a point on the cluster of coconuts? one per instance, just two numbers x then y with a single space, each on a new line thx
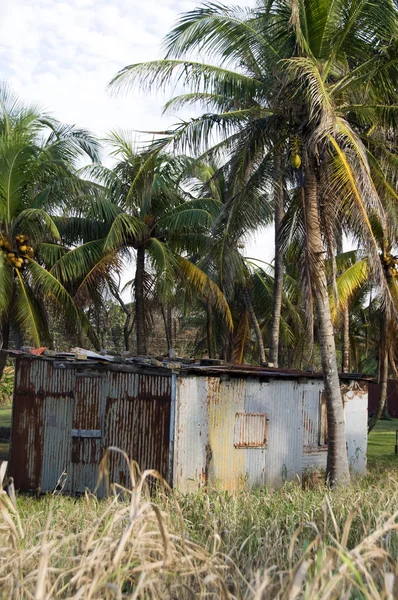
390 263
17 254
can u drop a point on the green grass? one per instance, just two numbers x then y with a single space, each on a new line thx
5 417
381 445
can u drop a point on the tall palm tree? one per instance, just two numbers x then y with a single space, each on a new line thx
308 78
145 215
38 161
221 254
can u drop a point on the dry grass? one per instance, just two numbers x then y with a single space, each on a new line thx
287 544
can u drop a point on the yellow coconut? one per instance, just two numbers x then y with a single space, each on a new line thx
295 161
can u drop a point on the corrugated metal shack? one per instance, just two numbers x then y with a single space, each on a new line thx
226 426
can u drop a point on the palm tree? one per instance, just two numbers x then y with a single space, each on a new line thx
221 255
314 80
354 281
38 160
143 213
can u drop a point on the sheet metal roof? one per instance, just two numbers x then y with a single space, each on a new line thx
117 363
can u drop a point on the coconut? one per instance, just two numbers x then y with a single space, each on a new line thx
295 161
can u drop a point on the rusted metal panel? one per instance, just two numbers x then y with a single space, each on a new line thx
138 424
251 430
88 414
55 468
232 427
27 441
281 460
38 438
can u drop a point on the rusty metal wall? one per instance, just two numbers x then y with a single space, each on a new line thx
209 410
43 401
65 417
229 432
138 422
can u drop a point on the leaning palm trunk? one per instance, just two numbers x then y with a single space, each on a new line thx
383 381
255 325
278 274
211 344
139 302
5 334
346 341
337 471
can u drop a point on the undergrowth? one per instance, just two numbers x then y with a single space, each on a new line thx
6 387
286 544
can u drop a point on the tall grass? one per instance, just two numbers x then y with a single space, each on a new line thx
288 544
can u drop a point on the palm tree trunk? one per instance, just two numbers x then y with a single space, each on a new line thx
383 381
382 377
255 325
166 323
278 273
337 471
346 350
346 341
140 302
211 346
5 334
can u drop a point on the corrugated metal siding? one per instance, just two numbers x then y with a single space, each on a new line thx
251 430
88 414
204 433
191 446
58 414
42 395
131 410
128 410
282 459
138 422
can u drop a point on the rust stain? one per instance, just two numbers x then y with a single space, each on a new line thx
139 424
213 390
27 442
251 430
132 410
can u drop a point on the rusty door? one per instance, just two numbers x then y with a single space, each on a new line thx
87 430
137 422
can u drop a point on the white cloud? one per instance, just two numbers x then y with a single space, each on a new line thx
62 54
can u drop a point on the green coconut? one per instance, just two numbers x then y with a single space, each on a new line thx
295 161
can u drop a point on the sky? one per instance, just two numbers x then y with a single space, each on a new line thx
61 55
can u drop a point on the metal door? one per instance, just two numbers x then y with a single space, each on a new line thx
87 430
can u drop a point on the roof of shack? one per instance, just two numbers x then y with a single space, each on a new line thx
205 367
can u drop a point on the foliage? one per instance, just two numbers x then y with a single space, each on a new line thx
38 160
7 387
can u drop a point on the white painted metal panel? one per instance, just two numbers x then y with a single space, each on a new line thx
355 396
190 433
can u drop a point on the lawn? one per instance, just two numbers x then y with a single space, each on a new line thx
381 445
5 417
